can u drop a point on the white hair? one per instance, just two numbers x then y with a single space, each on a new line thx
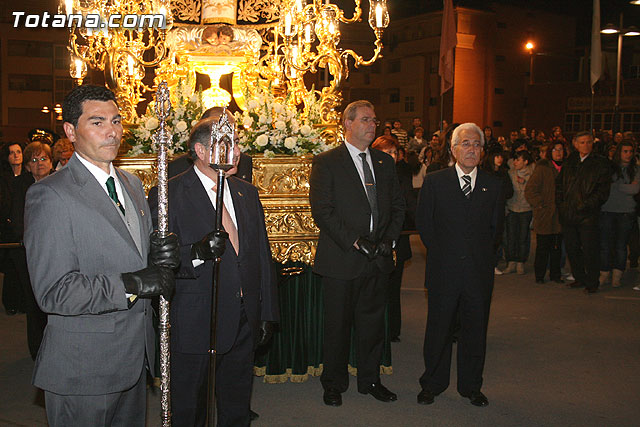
455 137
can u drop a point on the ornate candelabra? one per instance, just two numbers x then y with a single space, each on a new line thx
310 36
122 53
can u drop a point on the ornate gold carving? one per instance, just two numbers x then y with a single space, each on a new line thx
259 10
289 220
282 174
298 251
144 167
186 10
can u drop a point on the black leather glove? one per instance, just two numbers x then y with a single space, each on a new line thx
266 332
164 251
211 246
366 247
384 248
150 282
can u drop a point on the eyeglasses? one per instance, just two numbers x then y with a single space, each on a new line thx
367 120
467 145
41 159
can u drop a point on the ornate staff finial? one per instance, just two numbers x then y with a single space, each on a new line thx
222 142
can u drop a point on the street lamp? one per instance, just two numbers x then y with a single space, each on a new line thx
621 31
530 46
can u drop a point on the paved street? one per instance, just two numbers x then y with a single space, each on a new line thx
555 357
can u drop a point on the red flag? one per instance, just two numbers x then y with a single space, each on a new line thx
448 41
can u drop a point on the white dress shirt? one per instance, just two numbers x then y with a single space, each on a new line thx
102 177
473 174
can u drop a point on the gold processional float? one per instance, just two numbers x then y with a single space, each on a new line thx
262 50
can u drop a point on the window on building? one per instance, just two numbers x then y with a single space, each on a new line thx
630 122
572 122
395 66
61 58
376 68
499 91
597 121
394 96
607 121
31 82
29 48
409 104
63 87
28 116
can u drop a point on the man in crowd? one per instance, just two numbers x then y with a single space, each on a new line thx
459 216
416 122
400 133
94 272
357 203
247 295
582 187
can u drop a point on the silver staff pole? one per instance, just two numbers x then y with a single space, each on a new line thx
220 160
162 138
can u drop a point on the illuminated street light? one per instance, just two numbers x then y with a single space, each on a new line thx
529 46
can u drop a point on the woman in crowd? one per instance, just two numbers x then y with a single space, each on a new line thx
618 214
495 163
403 248
38 162
442 157
519 214
62 152
540 193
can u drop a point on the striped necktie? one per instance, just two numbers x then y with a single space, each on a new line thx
466 189
370 187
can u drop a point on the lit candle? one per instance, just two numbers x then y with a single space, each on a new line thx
130 64
378 15
287 24
307 33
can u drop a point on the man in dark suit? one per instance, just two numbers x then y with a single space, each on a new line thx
244 169
357 203
99 340
247 298
459 216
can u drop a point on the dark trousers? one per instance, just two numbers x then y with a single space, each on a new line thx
634 245
234 376
583 249
472 306
12 293
548 252
359 303
518 235
123 409
615 229
395 306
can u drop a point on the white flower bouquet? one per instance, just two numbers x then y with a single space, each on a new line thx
183 116
270 126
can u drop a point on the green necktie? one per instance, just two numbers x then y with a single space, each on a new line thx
111 188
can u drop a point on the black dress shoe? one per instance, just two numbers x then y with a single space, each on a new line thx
540 281
426 397
590 290
332 397
380 392
253 415
476 398
575 285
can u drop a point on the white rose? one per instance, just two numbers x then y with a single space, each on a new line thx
280 125
247 122
290 142
181 126
179 112
253 104
262 118
194 98
151 123
193 122
277 107
262 140
305 130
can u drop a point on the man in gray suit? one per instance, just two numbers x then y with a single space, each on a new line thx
93 266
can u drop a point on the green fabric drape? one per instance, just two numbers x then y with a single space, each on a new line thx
295 352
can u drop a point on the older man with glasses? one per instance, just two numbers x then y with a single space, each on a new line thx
459 216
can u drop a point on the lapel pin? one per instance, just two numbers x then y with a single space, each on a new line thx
380 161
239 194
484 189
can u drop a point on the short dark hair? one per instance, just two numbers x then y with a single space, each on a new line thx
525 155
582 133
200 133
72 105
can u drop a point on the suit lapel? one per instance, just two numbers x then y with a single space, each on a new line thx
92 192
198 197
378 171
126 186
